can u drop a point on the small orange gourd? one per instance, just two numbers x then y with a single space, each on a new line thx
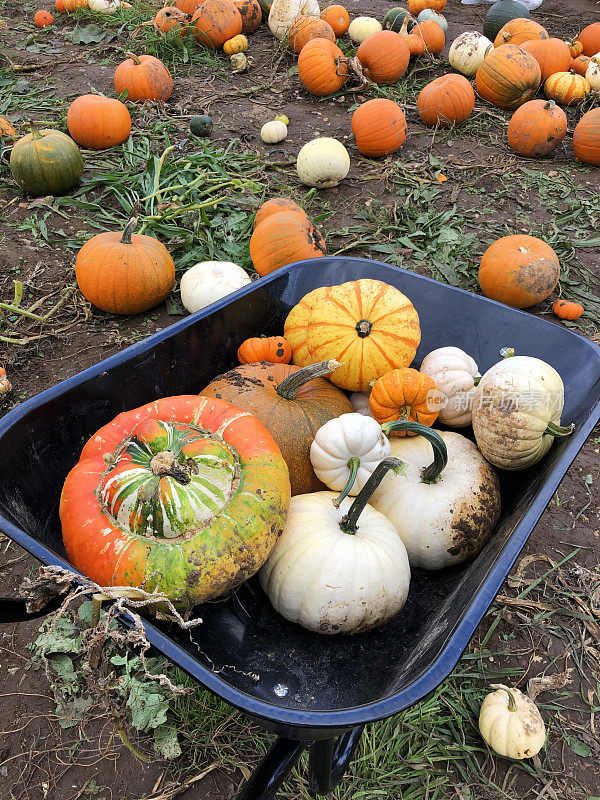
239 44
42 19
566 88
405 394
274 349
566 309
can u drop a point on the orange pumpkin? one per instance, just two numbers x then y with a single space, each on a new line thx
405 394
6 129
59 5
187 6
416 44
379 127
74 5
432 36
274 349
338 17
580 64
275 206
282 239
304 28
589 38
553 55
519 30
124 273
519 271
566 88
575 48
98 122
251 14
171 18
508 76
384 57
216 21
295 329
416 6
537 128
322 67
144 78
586 138
42 19
566 309
446 100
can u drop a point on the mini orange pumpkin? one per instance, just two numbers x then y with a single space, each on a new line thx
537 128
251 14
446 100
379 127
187 6
589 39
405 394
274 349
519 30
144 78
553 55
98 122
416 6
519 271
6 129
566 309
384 57
586 138
59 5
431 34
580 64
508 76
566 88
216 21
304 28
575 48
171 18
275 206
282 239
42 19
322 67
338 17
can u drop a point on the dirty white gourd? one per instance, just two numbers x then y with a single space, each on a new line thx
467 52
363 27
104 6
239 62
516 412
209 281
323 162
360 403
273 132
511 723
284 12
338 570
455 374
592 73
429 13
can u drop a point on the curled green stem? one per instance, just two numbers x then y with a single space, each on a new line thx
512 703
353 465
552 429
288 389
349 522
430 474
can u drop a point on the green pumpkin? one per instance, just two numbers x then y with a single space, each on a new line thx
201 125
394 19
46 162
501 13
265 7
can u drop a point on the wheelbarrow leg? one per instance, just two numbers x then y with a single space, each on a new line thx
329 760
272 771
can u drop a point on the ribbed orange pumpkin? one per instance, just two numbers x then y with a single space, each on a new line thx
144 78
322 67
282 239
553 55
566 88
216 21
537 128
275 206
171 18
590 39
445 101
586 138
432 35
304 28
566 309
405 394
73 5
580 64
384 57
416 6
296 324
338 17
187 6
251 14
124 273
379 127
508 76
520 271
274 349
98 122
519 30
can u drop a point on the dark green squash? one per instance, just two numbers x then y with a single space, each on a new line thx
265 7
501 13
394 20
201 125
46 162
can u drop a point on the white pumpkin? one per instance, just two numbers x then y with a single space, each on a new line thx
323 162
467 52
429 13
455 374
273 132
511 723
284 12
363 27
592 73
346 450
209 281
104 6
443 512
331 574
516 412
360 403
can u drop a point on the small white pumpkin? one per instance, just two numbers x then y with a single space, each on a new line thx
363 27
467 52
273 132
516 412
511 723
360 403
104 6
592 73
209 281
455 374
323 162
429 13
333 574
284 12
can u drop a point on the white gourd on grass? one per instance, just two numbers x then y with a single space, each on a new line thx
511 723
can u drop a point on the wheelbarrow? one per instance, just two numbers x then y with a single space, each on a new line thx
311 690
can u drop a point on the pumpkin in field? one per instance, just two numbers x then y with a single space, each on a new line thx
467 52
415 7
274 349
295 329
187 6
46 162
416 45
305 28
216 21
432 35
586 138
518 31
369 326
282 239
589 38
405 394
580 64
500 13
553 55
336 16
362 27
511 724
384 57
250 13
508 77
184 497
566 88
284 12
59 5
239 44
42 19
171 18
6 129
322 162
98 122
445 101
379 127
124 273
537 128
322 67
566 309
275 206
519 270
291 402
144 78
74 5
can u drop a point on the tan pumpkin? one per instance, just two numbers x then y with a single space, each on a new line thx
508 77
537 128
553 55
384 57
216 21
566 88
445 101
379 126
304 28
282 239
322 67
519 30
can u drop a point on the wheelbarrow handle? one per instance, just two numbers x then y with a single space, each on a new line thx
15 609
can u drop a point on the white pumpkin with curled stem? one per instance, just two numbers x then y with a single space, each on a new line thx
456 375
511 723
338 570
284 12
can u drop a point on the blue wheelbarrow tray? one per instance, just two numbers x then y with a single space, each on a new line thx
306 687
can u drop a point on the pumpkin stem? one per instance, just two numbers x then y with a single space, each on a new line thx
164 464
512 703
349 522
134 58
477 380
288 389
353 464
430 474
35 131
550 105
363 328
129 228
559 430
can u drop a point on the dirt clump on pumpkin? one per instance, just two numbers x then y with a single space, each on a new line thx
470 520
